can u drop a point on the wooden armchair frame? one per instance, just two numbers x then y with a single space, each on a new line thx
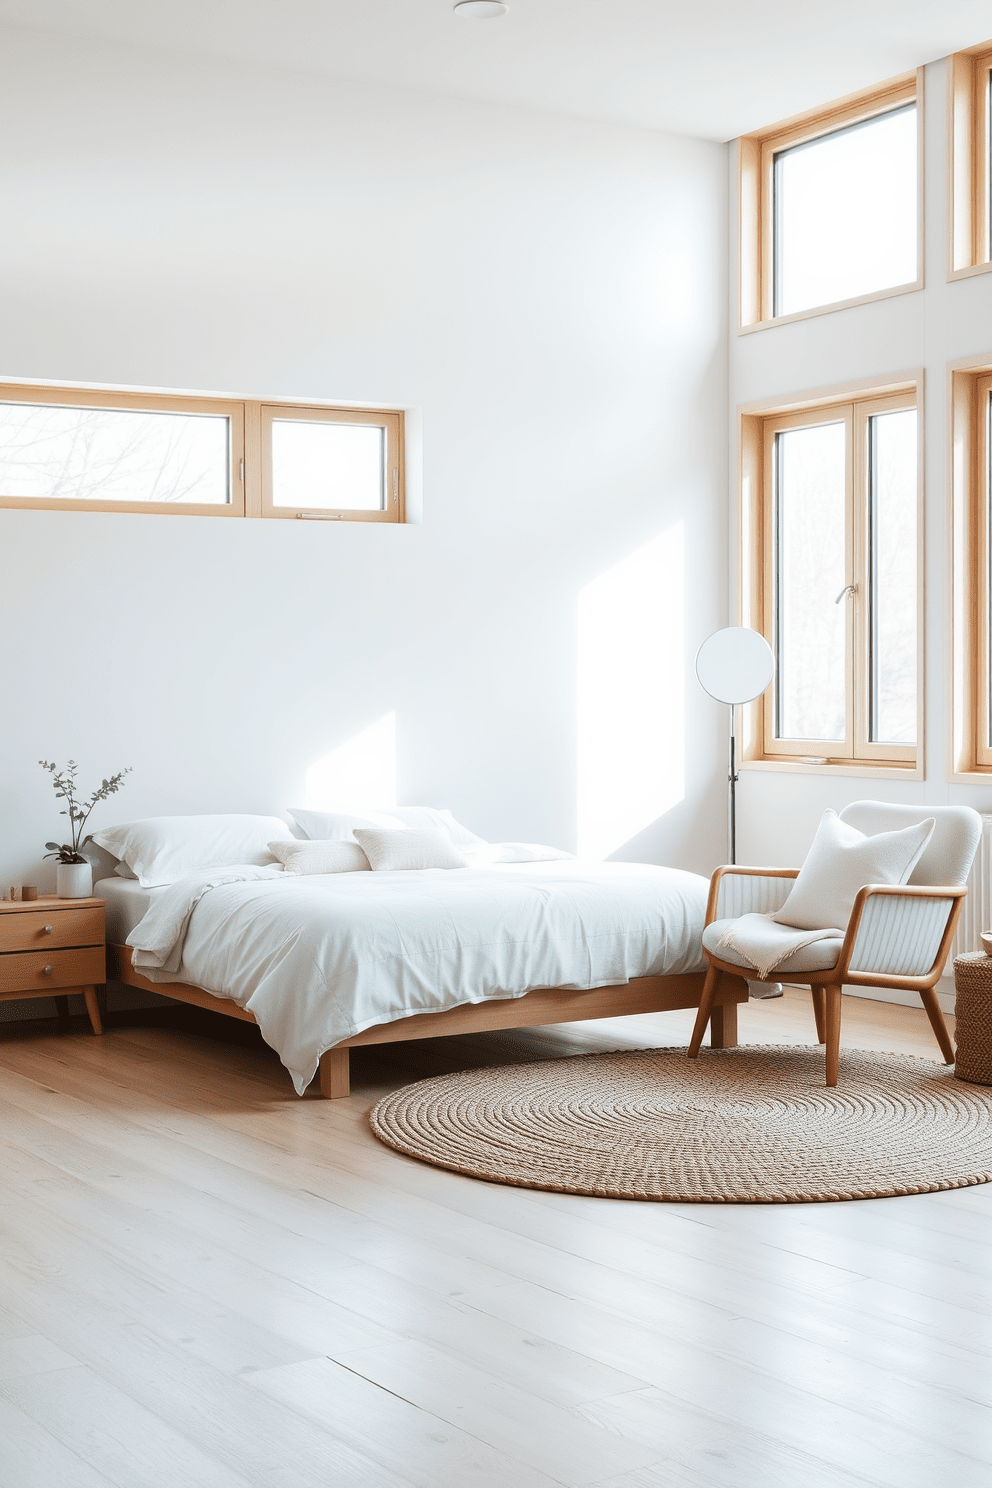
826 986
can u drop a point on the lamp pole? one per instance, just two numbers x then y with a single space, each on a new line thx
733 782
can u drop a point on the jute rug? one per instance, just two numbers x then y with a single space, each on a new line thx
753 1125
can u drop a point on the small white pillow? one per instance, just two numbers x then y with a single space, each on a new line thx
338 826
843 860
162 849
123 871
320 857
388 850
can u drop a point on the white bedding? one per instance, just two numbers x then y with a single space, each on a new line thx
318 959
127 904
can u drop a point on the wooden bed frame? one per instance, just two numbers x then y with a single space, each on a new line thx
545 1005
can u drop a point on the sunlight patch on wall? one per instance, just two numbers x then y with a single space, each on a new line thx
360 772
631 695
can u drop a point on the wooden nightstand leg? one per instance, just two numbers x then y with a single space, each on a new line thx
62 1010
93 1008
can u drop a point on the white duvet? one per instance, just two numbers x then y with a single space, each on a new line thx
318 959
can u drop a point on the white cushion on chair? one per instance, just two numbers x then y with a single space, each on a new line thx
843 860
819 956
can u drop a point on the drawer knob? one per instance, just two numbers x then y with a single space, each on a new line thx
48 929
48 971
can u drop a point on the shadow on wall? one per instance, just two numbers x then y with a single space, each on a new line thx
631 691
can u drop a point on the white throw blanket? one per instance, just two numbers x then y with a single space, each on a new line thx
764 943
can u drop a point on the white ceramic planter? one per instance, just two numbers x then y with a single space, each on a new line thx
73 880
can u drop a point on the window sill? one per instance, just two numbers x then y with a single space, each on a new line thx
883 770
868 299
968 272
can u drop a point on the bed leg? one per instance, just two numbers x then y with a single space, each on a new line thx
335 1075
723 1026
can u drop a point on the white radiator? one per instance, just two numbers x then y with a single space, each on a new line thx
976 915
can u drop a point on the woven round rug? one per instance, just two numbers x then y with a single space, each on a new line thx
737 1126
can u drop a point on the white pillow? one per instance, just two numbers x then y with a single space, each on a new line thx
123 871
320 857
407 848
162 849
843 860
435 819
512 852
338 826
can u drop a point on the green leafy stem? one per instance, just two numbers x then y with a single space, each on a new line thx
77 811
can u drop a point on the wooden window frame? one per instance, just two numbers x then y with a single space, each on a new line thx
758 424
756 226
390 423
969 395
249 422
969 240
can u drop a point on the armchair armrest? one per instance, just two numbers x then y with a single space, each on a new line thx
899 935
736 891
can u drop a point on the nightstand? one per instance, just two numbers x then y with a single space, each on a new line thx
50 945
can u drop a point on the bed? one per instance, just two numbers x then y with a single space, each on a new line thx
333 962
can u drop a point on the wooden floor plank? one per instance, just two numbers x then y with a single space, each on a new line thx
249 1285
30 1457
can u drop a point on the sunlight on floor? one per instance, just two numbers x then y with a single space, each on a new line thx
360 772
631 686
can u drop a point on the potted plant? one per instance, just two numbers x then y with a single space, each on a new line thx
74 874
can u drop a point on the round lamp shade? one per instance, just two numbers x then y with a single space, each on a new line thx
735 665
480 10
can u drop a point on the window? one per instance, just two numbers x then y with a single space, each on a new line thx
830 207
970 130
107 451
971 497
330 463
831 507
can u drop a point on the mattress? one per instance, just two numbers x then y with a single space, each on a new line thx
126 903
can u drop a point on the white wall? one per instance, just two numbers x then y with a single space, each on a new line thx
549 293
778 811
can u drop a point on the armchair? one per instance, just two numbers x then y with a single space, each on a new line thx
898 936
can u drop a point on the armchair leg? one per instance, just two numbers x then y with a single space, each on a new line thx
818 1013
832 996
705 1008
938 1025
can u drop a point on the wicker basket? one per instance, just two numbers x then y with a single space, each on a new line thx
973 1017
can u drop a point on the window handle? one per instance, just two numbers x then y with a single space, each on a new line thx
847 589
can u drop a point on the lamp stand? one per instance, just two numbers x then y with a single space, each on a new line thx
733 783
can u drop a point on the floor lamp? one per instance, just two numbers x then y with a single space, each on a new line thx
734 666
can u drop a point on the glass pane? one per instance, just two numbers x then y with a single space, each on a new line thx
113 454
811 569
845 213
328 467
892 452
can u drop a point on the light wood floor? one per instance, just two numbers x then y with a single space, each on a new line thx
206 1283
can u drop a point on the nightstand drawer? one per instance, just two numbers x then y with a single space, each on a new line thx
26 970
37 929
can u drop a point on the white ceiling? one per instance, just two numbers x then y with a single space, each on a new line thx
714 68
